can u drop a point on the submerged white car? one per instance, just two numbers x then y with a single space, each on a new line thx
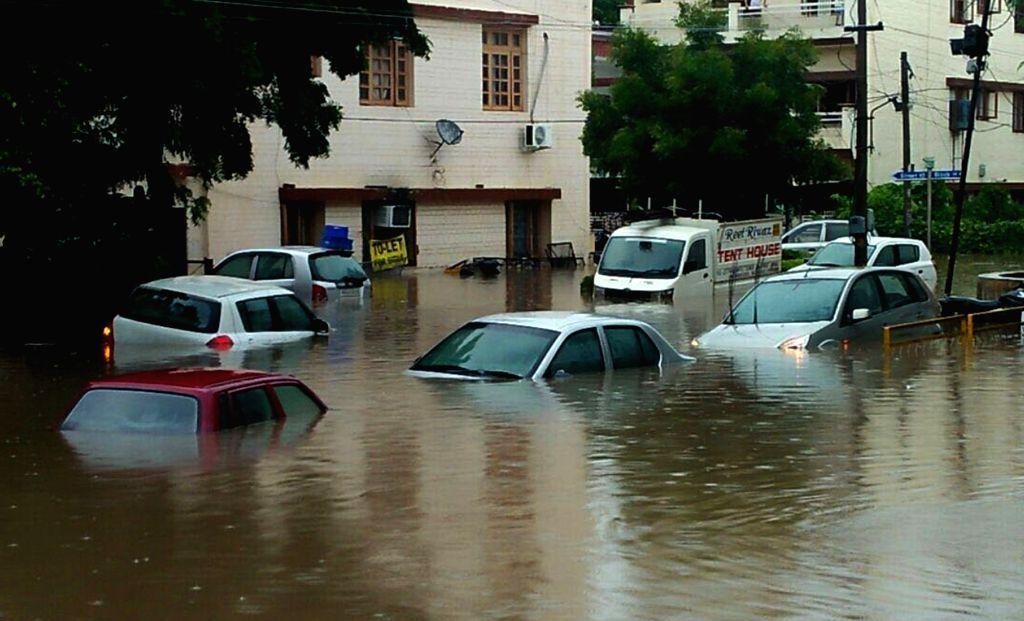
902 252
316 275
215 311
547 344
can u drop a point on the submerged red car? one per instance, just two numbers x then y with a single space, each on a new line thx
184 401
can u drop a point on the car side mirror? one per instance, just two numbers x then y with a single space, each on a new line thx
321 327
860 314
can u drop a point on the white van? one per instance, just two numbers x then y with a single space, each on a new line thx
688 256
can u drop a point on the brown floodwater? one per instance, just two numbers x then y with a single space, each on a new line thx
743 486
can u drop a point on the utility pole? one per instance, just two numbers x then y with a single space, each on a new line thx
975 45
858 223
929 165
905 108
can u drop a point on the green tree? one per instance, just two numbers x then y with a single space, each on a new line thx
704 120
120 90
606 12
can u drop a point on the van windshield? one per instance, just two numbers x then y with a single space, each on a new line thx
795 300
644 257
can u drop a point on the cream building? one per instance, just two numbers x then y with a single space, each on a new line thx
488 195
923 29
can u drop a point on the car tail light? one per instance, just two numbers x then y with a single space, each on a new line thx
319 294
108 332
220 343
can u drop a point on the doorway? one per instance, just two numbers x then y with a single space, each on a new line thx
527 228
302 223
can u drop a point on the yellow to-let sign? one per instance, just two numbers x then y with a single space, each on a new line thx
388 253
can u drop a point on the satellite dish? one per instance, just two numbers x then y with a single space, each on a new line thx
449 132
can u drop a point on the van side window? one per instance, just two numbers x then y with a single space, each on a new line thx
631 348
580 353
698 257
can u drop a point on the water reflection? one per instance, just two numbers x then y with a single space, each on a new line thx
742 486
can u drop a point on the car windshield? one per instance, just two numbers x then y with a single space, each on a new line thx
333 267
136 411
489 350
646 257
794 300
837 254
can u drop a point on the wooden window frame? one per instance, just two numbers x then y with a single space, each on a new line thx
394 55
966 13
515 59
996 4
988 104
1018 112
316 66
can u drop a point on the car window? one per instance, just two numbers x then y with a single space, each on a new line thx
246 407
835 230
886 256
333 267
894 290
274 267
805 235
295 402
580 353
135 411
907 253
238 266
864 294
280 313
915 287
171 309
256 315
630 347
698 257
291 314
479 347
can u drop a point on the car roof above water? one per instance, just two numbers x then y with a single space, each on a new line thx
213 286
295 251
831 273
189 380
554 320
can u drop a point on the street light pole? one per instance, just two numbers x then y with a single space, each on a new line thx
905 109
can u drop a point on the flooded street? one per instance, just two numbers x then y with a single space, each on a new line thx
744 486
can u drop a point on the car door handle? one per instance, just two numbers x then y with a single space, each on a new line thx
705 275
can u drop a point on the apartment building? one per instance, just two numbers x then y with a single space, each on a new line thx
923 29
499 71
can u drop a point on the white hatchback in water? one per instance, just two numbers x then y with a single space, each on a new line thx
548 344
215 311
902 252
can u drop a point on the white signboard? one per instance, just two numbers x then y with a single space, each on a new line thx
748 250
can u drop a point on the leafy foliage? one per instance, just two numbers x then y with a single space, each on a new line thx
689 120
606 12
122 89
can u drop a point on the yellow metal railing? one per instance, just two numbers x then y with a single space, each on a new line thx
966 326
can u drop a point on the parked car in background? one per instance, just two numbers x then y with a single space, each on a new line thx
824 308
810 236
902 252
190 401
547 344
215 311
316 275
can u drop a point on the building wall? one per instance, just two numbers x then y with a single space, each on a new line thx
392 146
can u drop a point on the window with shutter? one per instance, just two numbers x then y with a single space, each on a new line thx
503 69
386 78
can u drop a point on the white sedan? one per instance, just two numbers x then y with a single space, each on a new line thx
544 345
215 311
902 252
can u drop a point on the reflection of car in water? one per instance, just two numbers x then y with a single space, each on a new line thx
163 417
822 308
908 254
545 345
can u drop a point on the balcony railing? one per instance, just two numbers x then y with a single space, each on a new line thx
807 16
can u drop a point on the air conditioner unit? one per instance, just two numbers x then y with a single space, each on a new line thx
394 216
538 136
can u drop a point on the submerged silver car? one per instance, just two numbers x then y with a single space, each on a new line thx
821 309
316 275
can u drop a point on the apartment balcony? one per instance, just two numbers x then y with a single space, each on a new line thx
815 20
837 128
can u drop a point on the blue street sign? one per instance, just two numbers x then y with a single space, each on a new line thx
922 175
